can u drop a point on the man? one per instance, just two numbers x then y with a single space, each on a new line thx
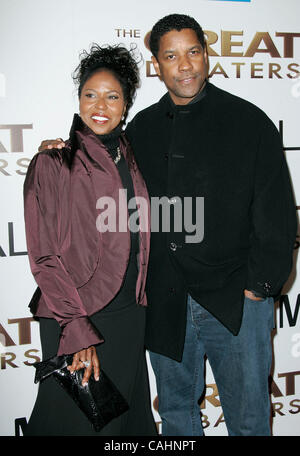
213 297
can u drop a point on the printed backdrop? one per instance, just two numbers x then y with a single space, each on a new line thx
254 49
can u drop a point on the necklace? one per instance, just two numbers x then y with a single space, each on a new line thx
118 157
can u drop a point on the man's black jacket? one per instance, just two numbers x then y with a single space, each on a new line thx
226 150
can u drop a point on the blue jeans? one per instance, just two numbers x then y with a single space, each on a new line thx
240 365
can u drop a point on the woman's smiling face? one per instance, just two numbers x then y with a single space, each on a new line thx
101 102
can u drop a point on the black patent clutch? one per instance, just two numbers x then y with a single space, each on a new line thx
100 400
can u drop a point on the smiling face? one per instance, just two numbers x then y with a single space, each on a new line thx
182 64
101 102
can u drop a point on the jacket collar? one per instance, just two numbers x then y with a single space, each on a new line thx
81 135
167 103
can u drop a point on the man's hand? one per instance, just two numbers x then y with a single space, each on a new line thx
57 143
250 295
89 356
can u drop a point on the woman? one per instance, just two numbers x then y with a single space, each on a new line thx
92 277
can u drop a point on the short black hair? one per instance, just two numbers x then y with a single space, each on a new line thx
174 22
122 63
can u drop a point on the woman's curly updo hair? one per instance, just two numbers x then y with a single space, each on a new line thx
122 63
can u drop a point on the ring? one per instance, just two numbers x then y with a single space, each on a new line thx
86 363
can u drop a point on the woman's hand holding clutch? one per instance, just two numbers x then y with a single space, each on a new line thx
89 360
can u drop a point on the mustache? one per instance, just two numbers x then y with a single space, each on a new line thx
187 76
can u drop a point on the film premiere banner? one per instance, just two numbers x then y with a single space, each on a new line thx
254 52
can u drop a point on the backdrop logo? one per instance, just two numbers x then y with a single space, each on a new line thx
11 142
282 402
288 314
12 357
263 55
10 250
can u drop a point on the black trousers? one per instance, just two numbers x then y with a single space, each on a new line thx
122 357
